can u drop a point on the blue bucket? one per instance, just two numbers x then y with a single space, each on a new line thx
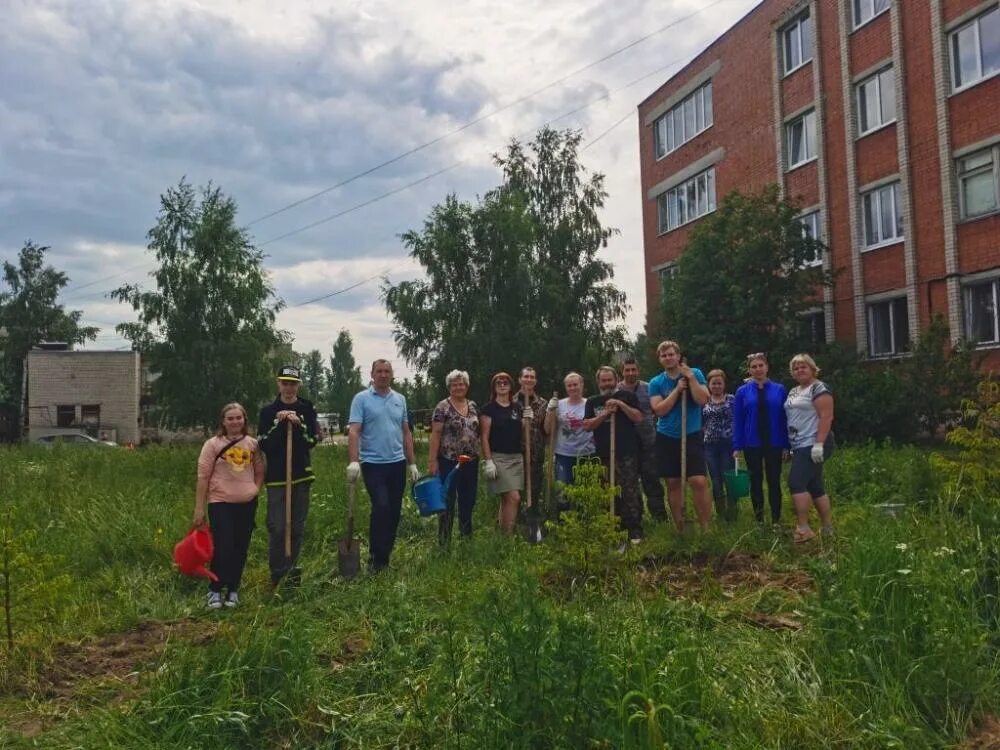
429 494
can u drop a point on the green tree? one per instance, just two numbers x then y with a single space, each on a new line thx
343 377
742 282
314 377
29 315
514 279
208 328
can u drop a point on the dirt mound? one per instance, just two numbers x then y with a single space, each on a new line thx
118 656
689 576
986 735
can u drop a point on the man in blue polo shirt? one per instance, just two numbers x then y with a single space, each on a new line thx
676 382
380 449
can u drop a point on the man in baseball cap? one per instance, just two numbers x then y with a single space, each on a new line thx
287 411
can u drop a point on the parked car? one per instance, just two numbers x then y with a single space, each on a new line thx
73 438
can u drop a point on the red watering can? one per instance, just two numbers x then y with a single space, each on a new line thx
194 552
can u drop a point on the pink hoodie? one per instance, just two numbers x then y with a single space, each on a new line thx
236 474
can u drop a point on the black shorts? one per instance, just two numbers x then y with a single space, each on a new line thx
668 456
805 476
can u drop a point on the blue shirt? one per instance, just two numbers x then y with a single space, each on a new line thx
381 419
670 423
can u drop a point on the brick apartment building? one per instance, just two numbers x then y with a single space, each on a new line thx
882 118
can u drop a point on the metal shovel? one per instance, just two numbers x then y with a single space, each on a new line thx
349 548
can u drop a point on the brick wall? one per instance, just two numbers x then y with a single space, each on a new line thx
752 99
109 380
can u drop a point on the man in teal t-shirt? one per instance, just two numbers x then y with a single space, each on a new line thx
666 390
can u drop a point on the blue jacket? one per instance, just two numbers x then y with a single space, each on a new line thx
745 433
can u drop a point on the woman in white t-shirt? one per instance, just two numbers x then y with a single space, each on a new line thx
566 417
809 412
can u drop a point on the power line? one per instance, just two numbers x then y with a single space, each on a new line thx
603 97
604 133
488 115
381 273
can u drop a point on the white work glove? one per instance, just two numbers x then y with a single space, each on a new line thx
817 453
553 403
413 471
490 469
353 471
528 413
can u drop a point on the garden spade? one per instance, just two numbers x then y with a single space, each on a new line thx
527 455
349 548
614 458
288 491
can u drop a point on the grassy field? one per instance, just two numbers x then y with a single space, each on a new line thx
885 637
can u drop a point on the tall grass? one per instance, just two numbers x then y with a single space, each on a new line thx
479 646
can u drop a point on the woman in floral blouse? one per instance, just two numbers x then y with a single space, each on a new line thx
454 433
717 418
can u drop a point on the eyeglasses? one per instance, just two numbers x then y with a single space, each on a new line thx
503 382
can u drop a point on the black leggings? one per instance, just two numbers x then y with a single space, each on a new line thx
231 524
765 463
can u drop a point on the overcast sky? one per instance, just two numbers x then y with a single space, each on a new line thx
106 103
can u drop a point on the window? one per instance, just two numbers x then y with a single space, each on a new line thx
686 202
90 414
796 43
981 323
978 186
812 327
683 121
866 10
800 139
667 273
883 217
975 49
877 100
810 228
65 416
888 328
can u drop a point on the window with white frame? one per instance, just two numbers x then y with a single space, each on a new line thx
797 43
883 215
800 139
982 326
684 121
975 49
667 273
866 10
810 228
812 327
978 182
686 202
876 100
888 328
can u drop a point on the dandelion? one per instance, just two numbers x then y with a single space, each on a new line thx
902 546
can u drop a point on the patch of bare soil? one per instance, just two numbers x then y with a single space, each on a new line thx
351 649
117 657
682 576
986 735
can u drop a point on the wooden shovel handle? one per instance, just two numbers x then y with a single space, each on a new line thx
288 490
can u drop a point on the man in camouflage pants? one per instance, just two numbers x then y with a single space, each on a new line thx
651 483
624 406
533 518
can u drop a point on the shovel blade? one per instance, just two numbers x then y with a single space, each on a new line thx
349 557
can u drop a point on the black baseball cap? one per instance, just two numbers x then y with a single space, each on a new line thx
289 374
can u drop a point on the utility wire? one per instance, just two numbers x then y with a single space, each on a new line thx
488 115
603 97
380 274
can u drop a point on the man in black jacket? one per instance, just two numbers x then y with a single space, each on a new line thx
287 411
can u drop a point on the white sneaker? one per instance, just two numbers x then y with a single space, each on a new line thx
214 600
233 599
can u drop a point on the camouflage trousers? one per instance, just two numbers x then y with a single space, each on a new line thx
628 504
651 484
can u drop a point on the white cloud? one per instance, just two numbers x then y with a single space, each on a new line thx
103 106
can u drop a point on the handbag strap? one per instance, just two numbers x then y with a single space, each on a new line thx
221 453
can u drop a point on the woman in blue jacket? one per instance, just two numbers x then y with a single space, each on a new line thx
761 433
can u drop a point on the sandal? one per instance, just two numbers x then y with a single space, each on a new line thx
803 535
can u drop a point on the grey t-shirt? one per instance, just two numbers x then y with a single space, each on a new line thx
803 421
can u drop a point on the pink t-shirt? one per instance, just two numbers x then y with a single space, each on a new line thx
234 476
